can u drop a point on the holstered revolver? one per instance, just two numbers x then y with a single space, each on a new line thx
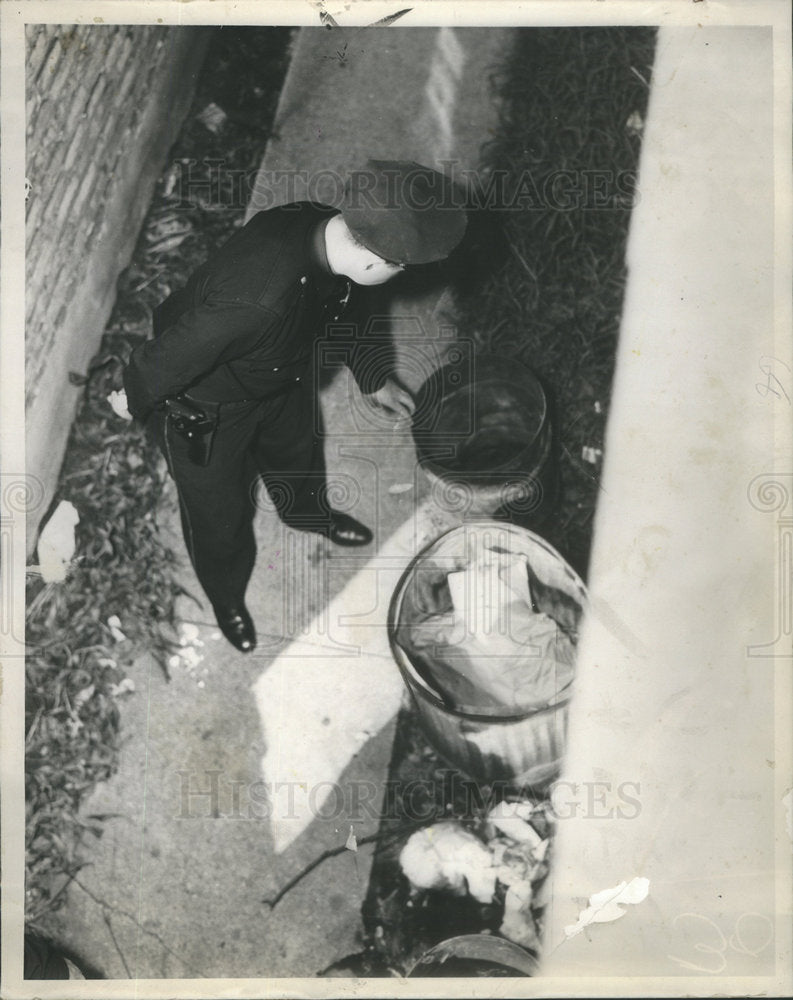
195 424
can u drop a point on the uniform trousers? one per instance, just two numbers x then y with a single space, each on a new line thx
278 439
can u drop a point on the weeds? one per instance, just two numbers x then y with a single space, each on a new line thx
76 664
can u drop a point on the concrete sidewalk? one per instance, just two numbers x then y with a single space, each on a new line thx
230 775
675 773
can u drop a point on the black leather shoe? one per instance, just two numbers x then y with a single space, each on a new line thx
237 626
345 530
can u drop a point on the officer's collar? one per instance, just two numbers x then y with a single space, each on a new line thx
317 252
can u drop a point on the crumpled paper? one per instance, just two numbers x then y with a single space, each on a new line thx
118 403
481 639
513 820
446 856
517 924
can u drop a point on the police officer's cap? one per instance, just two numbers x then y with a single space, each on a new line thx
404 212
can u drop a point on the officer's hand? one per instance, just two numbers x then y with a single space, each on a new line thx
392 398
118 402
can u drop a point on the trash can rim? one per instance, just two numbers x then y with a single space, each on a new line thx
413 678
503 952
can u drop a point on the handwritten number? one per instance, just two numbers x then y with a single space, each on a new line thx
701 947
737 941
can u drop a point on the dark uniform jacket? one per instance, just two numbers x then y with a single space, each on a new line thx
245 323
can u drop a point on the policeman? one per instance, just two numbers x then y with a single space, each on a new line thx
227 386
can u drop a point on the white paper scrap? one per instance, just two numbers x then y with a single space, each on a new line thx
56 543
509 818
608 905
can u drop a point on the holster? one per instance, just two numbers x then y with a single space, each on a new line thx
196 423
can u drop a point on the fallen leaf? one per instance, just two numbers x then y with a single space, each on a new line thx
74 725
169 243
189 635
127 686
635 123
213 117
114 624
83 696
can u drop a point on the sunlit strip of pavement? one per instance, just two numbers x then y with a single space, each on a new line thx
319 705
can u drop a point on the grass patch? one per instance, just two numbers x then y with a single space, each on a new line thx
572 105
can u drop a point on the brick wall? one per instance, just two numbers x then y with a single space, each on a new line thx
104 105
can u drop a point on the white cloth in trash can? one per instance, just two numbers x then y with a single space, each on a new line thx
487 633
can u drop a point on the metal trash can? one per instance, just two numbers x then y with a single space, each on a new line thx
483 436
521 746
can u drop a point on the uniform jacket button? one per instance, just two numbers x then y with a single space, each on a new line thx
275 369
